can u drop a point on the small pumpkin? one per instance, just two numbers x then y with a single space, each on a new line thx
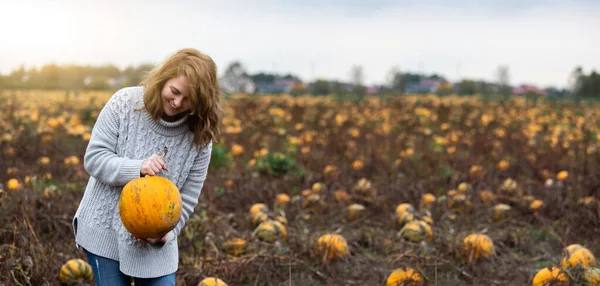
212 281
258 208
332 246
282 200
501 211
591 275
550 276
13 184
405 277
150 206
363 185
575 254
427 201
459 203
536 205
477 246
75 269
403 208
235 246
312 201
355 211
417 231
270 231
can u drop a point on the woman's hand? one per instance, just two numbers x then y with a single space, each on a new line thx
152 166
152 240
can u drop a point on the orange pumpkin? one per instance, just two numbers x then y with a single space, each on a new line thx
575 254
591 275
332 246
75 269
235 246
150 206
550 276
477 246
212 281
405 276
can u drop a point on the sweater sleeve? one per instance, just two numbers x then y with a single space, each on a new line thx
190 192
101 160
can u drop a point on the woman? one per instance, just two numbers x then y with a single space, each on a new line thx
178 105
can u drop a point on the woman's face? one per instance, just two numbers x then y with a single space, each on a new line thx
176 96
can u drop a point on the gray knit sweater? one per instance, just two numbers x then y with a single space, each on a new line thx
121 139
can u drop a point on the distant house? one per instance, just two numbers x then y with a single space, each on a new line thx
374 89
528 89
424 86
237 84
278 86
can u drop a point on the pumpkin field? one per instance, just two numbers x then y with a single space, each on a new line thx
394 190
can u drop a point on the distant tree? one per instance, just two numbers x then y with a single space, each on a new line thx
575 80
321 87
50 76
467 87
436 77
337 88
485 88
503 80
411 78
233 79
263 78
395 80
135 75
589 86
98 83
357 80
291 77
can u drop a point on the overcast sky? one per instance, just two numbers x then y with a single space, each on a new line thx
540 41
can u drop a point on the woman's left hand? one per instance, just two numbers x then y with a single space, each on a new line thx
152 240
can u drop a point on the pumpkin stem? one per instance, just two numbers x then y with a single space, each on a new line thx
164 152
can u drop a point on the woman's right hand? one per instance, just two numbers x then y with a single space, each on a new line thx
152 166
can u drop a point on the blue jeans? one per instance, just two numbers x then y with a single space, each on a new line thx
107 273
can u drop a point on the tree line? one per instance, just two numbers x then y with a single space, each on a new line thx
110 77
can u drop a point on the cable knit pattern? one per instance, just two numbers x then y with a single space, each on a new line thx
123 136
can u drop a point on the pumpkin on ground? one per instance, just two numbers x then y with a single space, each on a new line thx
478 246
355 211
270 231
212 281
501 211
258 208
235 246
550 276
74 270
150 206
282 200
591 275
427 201
417 231
405 277
404 208
332 246
576 254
